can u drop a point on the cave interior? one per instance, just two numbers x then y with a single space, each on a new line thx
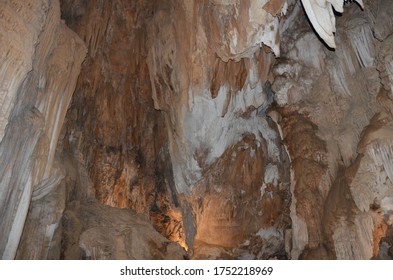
196 129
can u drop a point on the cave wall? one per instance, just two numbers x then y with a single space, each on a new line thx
229 127
332 106
112 126
46 192
141 155
210 78
40 63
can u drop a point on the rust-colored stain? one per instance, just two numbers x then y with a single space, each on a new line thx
274 7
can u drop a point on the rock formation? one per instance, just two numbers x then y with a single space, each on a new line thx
40 63
214 129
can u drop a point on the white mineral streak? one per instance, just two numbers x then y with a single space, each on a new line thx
383 157
362 40
387 204
299 226
206 130
272 239
389 72
374 179
271 174
372 185
354 242
385 66
265 26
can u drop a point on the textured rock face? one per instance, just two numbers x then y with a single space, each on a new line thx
213 88
112 124
129 236
127 151
37 87
200 91
40 62
333 107
227 127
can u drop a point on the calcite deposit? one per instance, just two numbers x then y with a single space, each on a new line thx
214 129
40 63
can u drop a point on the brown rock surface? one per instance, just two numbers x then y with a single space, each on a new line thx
226 127
112 123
